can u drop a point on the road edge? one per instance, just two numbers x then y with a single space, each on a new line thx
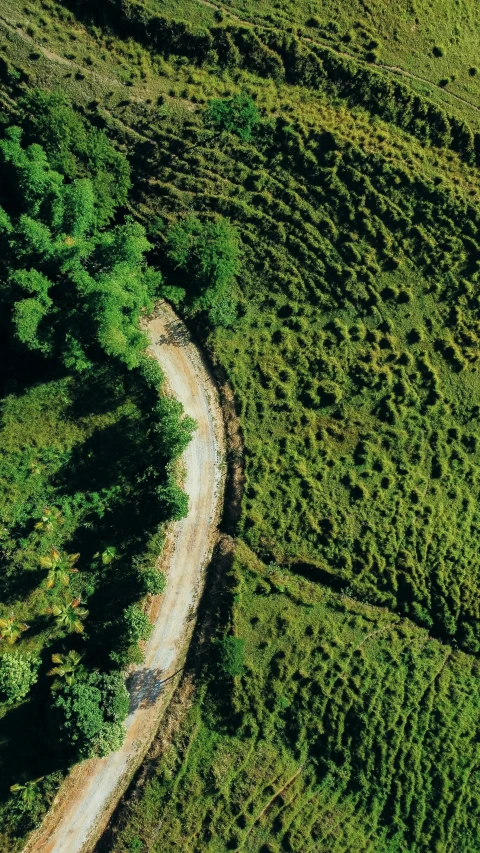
74 778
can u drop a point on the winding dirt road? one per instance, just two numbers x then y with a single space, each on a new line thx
91 791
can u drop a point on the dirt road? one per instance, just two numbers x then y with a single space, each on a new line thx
91 791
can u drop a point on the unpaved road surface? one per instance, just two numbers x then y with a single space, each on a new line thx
91 791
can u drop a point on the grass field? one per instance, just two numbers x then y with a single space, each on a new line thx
336 738
436 40
354 362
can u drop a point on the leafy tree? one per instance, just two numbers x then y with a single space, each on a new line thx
77 149
208 254
172 431
17 675
68 669
90 714
237 115
152 582
173 500
68 290
69 614
11 629
30 800
49 520
29 792
109 555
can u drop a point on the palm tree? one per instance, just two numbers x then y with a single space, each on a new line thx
29 792
109 555
49 518
68 667
69 614
11 628
60 567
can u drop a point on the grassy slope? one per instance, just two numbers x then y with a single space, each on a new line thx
385 477
343 722
404 34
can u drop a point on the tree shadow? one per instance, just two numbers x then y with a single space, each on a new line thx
26 749
19 585
105 459
145 686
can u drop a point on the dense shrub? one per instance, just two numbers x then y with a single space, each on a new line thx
17 675
76 149
136 624
232 652
90 714
238 115
208 254
70 291
152 581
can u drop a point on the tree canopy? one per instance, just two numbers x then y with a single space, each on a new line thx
208 256
68 289
90 714
237 115
76 149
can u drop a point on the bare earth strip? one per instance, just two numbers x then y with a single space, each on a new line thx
89 795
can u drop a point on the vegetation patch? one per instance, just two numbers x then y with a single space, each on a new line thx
345 730
314 214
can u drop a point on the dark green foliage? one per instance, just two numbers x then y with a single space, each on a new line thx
71 292
90 714
17 675
76 149
173 500
29 803
85 458
152 581
232 652
172 432
237 115
207 254
136 625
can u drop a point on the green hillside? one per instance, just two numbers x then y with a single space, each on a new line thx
333 683
349 729
436 40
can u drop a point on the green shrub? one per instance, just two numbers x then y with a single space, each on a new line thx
90 714
238 115
101 276
136 624
208 254
152 581
173 500
17 675
232 652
